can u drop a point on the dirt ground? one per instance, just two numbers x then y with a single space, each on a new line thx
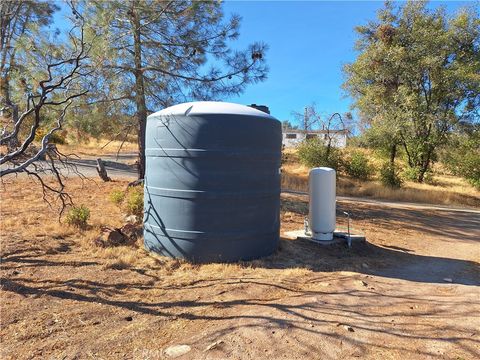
410 292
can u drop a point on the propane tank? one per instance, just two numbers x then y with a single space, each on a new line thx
322 217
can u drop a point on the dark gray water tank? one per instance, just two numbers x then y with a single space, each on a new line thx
212 182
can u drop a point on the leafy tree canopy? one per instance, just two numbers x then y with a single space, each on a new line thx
417 76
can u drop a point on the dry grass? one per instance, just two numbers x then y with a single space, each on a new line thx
94 147
444 190
22 204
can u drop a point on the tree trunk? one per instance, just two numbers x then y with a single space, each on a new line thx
425 166
140 102
393 154
102 172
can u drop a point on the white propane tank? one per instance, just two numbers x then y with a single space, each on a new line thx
322 203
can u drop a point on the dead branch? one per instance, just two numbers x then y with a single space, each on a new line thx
56 92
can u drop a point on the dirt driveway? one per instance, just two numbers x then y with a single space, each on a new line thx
411 292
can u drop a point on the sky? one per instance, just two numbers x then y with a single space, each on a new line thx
309 42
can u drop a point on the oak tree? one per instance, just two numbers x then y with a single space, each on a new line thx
417 76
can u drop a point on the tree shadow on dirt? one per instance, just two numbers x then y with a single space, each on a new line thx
371 259
309 314
454 225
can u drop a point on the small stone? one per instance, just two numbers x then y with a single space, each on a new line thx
132 231
129 318
364 283
365 266
112 237
132 219
214 345
448 280
348 328
177 350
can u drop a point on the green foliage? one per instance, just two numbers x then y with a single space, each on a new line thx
134 201
413 174
117 197
463 157
131 200
358 166
389 176
314 153
55 138
78 216
416 74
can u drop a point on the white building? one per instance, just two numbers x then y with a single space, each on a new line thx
291 137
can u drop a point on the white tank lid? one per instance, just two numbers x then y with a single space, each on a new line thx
210 107
322 170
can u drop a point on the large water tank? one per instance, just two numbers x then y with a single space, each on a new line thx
322 204
212 182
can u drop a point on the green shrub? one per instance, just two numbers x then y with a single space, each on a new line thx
117 197
134 201
475 182
465 163
389 176
413 173
55 138
358 166
314 153
78 216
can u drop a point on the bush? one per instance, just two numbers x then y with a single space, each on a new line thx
475 182
55 138
410 173
117 197
358 166
465 162
389 176
78 216
314 153
134 201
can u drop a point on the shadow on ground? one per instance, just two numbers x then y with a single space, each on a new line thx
371 259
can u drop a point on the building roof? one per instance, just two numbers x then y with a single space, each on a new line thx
298 131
